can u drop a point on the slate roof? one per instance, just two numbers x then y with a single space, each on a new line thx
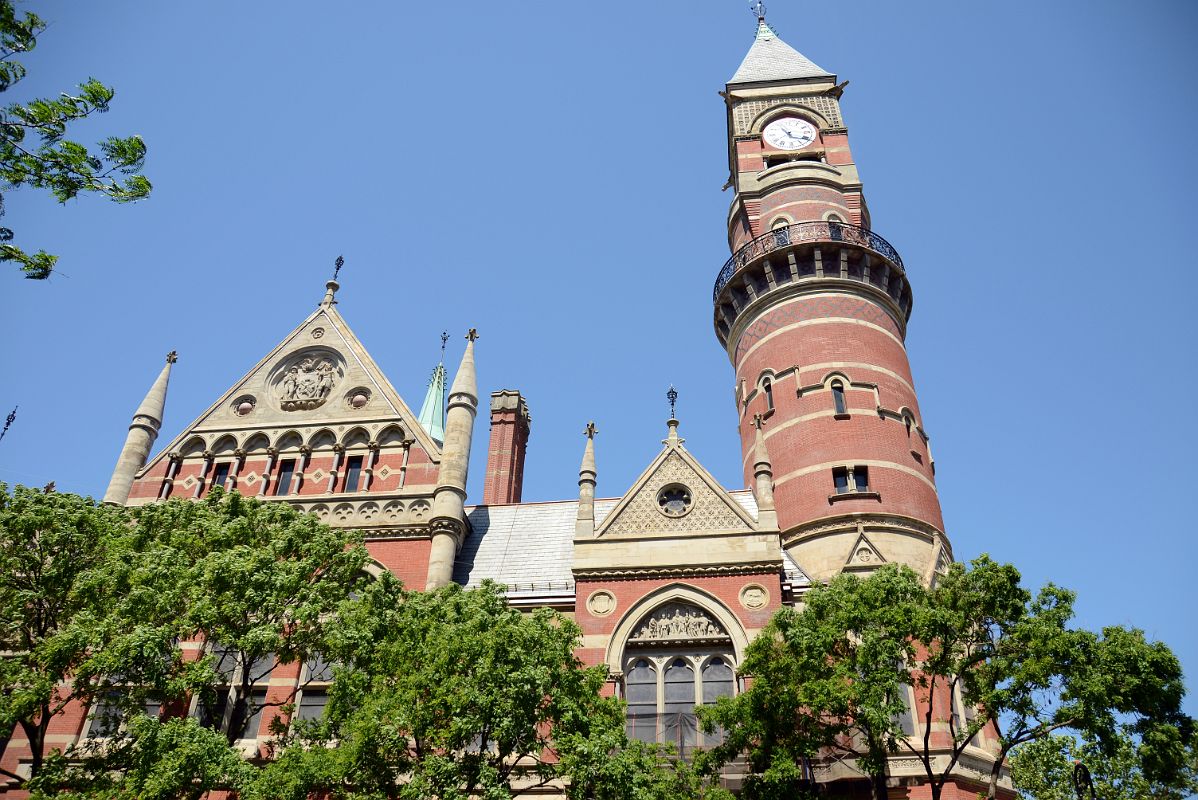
529 547
771 59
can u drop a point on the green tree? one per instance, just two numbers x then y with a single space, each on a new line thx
452 695
98 599
258 582
34 151
74 626
1043 770
830 677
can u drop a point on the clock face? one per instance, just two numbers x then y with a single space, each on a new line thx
789 133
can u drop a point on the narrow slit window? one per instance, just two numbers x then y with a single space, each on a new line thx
353 473
838 399
767 386
286 473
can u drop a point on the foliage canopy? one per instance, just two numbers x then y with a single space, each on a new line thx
35 152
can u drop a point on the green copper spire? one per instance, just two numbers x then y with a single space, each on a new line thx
432 413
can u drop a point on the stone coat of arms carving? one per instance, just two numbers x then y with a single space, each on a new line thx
307 382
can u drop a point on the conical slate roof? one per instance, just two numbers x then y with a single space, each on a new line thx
771 59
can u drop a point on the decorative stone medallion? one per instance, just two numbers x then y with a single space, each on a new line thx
244 404
601 603
357 398
317 333
864 555
754 596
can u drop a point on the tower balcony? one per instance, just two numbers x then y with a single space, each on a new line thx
809 256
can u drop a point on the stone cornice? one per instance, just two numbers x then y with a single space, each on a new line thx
704 571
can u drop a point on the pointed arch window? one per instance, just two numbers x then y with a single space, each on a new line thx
767 388
677 658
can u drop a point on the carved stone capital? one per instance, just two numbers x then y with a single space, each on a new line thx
338 448
305 450
273 452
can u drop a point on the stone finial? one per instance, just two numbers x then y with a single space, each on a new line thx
330 294
472 334
585 524
172 357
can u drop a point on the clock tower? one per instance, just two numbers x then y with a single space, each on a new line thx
812 309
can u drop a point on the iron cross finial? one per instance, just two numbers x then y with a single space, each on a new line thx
172 357
672 396
758 421
472 334
337 265
591 430
758 8
444 339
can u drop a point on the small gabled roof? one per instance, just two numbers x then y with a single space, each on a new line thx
711 507
771 59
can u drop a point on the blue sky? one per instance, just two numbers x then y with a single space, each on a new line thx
551 173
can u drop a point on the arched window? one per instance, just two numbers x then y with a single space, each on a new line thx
780 222
767 388
679 657
679 725
838 399
835 218
640 689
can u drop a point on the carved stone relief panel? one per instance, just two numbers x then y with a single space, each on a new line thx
306 379
679 622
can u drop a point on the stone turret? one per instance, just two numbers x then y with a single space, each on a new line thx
147 420
585 525
449 498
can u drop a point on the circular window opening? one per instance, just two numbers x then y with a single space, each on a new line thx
674 500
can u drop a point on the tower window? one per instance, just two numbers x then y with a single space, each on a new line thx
848 480
840 479
767 387
838 398
353 473
286 473
220 474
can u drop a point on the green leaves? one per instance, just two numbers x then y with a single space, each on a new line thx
34 151
837 670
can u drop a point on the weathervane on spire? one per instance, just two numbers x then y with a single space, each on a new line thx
472 334
444 339
758 8
590 430
337 265
672 396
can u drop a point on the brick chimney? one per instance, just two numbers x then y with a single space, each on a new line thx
509 441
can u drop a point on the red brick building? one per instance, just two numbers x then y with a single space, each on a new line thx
670 581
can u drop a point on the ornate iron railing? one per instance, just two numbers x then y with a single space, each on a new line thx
804 232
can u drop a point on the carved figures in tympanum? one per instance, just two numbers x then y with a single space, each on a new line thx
679 622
